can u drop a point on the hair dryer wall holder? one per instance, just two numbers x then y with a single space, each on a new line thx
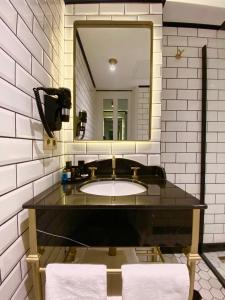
53 111
81 121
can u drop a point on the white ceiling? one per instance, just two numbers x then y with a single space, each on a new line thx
130 46
195 11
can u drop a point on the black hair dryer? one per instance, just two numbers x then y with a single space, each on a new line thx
57 104
81 124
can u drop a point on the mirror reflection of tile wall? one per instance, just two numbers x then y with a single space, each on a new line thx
147 152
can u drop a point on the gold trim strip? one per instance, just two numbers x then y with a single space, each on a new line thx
34 257
42 270
195 231
192 256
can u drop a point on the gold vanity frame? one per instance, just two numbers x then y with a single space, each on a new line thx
34 257
111 24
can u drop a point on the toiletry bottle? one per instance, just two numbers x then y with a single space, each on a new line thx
81 166
73 173
64 176
68 164
68 174
68 170
67 188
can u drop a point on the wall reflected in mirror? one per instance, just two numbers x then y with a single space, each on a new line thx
112 79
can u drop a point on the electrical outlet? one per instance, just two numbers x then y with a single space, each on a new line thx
54 143
49 143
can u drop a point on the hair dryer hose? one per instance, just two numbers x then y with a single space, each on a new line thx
41 113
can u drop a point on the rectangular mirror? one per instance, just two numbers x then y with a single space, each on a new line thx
112 80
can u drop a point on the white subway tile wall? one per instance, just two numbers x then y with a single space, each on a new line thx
181 119
31 54
29 30
148 151
142 122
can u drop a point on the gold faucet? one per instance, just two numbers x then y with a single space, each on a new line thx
113 167
93 169
135 169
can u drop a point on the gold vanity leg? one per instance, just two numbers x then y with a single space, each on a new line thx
193 256
71 256
34 257
112 251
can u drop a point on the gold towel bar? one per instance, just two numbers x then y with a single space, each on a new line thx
42 270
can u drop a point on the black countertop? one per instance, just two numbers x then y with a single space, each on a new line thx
160 194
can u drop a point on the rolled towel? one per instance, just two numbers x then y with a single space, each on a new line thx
76 282
155 282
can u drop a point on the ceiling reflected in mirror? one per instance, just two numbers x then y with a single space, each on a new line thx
122 48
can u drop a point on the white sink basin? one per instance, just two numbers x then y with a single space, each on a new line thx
113 188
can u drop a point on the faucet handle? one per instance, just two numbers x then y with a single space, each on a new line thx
113 162
93 169
135 169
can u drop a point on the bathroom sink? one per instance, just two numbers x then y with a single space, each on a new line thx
113 188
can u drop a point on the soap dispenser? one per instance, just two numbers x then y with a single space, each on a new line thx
68 170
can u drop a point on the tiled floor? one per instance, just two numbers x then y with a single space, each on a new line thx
214 258
206 283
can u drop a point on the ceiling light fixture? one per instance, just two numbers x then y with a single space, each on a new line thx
112 64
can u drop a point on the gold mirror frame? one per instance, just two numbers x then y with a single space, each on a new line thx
111 24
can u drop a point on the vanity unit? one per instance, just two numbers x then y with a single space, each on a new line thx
164 216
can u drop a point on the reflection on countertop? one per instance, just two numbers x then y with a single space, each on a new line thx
160 194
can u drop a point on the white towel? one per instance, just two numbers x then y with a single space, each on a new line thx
155 282
76 282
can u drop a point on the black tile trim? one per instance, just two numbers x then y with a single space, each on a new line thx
223 26
85 58
203 125
192 25
203 140
113 90
214 270
213 247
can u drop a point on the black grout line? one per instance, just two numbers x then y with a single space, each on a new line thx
21 138
30 116
17 17
30 160
15 124
27 183
16 62
32 55
34 16
17 87
19 113
18 262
